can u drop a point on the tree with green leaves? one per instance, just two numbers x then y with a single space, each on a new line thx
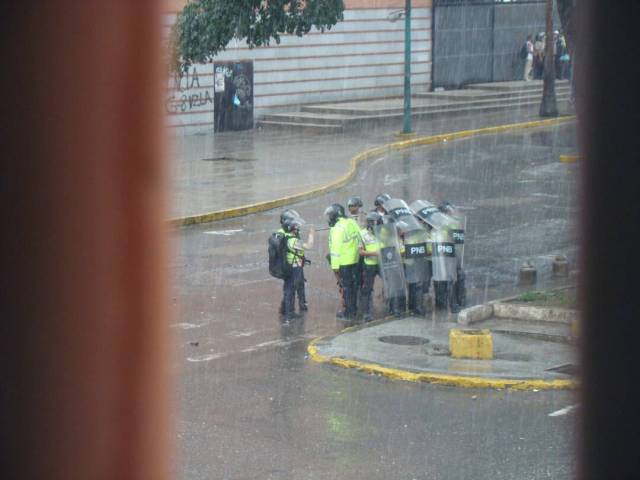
205 27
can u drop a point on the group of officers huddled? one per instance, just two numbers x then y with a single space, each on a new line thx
407 246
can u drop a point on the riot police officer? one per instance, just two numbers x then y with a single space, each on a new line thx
369 252
458 228
354 205
344 235
378 203
444 253
294 284
414 238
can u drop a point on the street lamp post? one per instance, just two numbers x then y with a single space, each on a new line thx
407 68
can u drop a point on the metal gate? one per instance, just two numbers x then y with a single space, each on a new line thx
477 41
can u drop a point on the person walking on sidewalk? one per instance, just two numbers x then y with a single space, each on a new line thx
538 56
528 59
344 238
369 251
294 284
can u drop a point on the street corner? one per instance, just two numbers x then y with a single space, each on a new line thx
416 350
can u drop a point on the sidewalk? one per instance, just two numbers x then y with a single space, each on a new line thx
230 170
527 355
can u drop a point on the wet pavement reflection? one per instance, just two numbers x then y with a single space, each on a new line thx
251 405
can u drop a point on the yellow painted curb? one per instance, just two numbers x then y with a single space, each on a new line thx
440 378
355 161
569 158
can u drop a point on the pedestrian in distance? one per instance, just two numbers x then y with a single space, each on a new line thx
344 239
294 284
369 252
563 59
538 56
527 54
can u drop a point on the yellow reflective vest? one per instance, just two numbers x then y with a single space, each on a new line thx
344 238
371 244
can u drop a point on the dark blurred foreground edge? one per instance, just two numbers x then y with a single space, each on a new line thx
610 101
84 365
83 322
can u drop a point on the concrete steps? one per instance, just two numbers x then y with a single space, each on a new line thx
337 118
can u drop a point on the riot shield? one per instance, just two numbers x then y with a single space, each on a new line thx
458 227
404 217
390 261
430 213
444 256
415 255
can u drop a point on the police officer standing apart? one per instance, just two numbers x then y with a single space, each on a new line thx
369 251
291 225
344 238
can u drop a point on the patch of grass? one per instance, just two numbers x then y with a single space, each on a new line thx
552 298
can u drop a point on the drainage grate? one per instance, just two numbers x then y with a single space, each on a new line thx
404 340
566 369
226 158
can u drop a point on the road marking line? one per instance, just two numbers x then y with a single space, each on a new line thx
226 233
206 358
564 411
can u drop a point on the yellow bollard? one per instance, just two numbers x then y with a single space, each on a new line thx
471 344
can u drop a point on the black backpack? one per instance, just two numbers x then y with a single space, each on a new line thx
278 249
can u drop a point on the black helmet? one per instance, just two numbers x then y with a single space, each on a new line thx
292 225
288 213
380 199
373 219
354 202
333 213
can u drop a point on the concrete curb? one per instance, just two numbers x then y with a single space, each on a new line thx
501 309
440 379
355 161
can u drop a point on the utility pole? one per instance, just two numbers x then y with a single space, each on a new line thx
407 129
549 106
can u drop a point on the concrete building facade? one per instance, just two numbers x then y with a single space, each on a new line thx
361 57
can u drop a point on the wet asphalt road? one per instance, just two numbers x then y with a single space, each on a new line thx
251 405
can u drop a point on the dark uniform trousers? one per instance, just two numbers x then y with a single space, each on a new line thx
349 281
293 284
416 298
369 273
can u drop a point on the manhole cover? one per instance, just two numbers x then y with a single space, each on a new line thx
227 158
568 369
404 340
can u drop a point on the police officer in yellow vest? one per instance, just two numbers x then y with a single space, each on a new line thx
344 239
294 284
369 250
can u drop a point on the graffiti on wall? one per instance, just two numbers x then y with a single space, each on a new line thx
186 92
